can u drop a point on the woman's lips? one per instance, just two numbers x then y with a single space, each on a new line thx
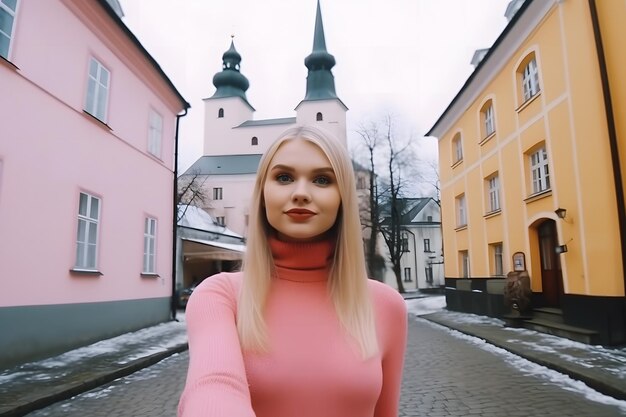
300 214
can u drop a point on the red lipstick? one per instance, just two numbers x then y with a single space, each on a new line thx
300 213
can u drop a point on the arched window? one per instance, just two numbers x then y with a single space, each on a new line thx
487 119
528 77
457 148
254 141
220 113
319 117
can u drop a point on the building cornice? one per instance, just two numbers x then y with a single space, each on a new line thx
500 54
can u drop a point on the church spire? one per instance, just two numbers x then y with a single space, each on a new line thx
230 82
320 82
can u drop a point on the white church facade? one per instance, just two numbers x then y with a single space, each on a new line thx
234 141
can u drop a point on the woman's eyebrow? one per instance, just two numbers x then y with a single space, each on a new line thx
322 170
282 168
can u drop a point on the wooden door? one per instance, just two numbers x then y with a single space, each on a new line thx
551 276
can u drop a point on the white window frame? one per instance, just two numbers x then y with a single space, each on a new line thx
220 220
530 79
426 245
493 193
149 245
218 193
461 211
498 265
457 143
539 170
428 270
87 236
407 275
97 94
489 122
12 13
404 242
155 133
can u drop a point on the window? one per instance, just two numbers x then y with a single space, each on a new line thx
217 193
319 117
149 246
493 193
429 218
407 275
404 242
488 126
155 134
220 220
530 78
97 90
464 264
87 234
496 254
426 245
539 170
254 141
461 211
361 183
220 113
457 148
429 274
7 23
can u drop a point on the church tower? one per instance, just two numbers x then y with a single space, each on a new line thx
321 106
228 106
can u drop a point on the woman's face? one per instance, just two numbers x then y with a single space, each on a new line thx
301 192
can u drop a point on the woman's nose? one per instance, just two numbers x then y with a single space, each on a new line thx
301 192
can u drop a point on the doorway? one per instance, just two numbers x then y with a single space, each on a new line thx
551 276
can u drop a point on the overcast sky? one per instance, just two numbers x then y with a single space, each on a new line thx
407 57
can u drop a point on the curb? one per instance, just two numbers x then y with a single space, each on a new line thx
604 387
67 391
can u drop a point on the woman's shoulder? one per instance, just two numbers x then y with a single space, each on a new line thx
224 284
386 297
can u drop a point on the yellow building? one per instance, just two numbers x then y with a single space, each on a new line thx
532 156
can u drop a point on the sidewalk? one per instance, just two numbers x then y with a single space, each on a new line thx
603 369
35 385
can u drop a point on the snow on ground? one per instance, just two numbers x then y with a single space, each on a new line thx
531 368
426 305
159 338
546 343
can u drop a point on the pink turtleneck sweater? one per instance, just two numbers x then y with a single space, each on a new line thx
312 368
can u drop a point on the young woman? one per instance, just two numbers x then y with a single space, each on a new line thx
300 331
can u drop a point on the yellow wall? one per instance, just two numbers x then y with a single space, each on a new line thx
568 117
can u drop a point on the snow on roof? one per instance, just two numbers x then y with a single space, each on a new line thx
196 218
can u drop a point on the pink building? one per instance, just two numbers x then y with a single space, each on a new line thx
88 125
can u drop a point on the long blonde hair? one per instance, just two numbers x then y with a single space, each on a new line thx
348 277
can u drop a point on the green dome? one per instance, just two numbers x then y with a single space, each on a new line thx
230 82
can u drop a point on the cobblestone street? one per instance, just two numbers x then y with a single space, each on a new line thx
445 375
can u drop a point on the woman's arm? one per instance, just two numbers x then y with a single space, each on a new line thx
393 318
216 380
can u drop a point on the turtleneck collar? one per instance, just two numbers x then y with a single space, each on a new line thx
302 262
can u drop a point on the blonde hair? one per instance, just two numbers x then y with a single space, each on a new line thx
347 283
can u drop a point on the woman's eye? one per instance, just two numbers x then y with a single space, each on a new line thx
322 180
283 178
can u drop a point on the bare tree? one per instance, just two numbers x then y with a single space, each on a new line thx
391 228
429 174
383 214
191 192
370 214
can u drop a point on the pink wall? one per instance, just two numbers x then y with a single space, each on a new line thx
50 151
